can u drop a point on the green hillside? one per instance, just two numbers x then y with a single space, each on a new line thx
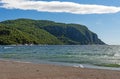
22 31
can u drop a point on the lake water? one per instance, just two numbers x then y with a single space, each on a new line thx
90 56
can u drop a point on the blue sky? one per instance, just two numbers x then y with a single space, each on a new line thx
105 23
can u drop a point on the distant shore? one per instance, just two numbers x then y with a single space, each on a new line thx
21 70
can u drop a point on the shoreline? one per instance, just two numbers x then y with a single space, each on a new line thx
27 70
88 66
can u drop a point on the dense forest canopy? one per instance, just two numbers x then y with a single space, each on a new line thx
28 31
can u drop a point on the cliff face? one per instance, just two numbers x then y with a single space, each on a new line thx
46 32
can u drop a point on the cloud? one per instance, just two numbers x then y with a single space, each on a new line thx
58 6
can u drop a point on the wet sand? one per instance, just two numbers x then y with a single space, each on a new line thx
20 70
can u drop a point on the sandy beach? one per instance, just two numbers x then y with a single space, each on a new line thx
20 70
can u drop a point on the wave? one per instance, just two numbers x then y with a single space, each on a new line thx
8 47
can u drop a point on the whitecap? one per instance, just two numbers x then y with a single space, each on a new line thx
7 47
117 55
80 65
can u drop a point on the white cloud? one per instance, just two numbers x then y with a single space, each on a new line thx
58 6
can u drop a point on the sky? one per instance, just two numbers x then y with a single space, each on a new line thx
100 16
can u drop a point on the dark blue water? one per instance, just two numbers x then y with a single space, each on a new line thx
88 55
